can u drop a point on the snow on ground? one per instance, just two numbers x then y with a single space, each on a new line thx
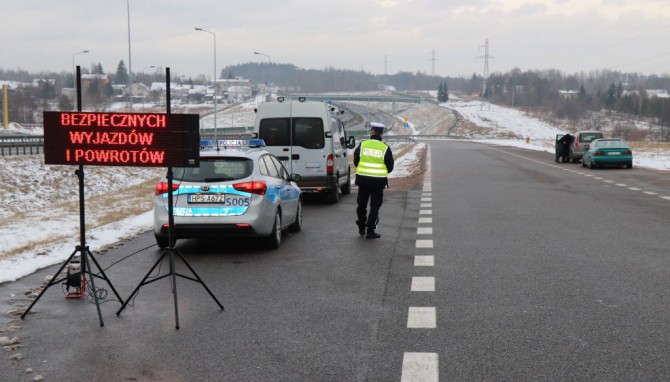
404 165
505 119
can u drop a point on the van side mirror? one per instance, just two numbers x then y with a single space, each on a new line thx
329 134
352 143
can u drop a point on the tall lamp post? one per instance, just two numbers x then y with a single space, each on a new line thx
74 75
216 134
144 92
269 62
130 63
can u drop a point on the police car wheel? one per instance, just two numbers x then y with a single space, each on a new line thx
274 240
297 224
162 241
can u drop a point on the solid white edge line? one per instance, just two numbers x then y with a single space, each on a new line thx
420 367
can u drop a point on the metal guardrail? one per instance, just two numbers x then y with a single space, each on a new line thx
34 144
21 144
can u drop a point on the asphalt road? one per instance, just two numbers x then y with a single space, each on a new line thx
539 272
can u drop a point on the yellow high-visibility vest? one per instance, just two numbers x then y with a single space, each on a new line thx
371 161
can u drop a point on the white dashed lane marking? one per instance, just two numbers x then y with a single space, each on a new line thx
634 189
665 197
426 199
649 193
424 261
424 244
426 205
423 284
425 212
422 317
424 231
420 367
425 220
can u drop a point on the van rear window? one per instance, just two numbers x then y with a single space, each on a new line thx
307 132
275 131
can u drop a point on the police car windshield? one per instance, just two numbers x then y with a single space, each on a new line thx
216 170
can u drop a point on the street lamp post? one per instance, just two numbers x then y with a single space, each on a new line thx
216 134
130 63
74 75
144 92
269 63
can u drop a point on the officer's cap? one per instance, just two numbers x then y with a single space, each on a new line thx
377 127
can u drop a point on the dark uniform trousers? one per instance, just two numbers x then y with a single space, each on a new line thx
375 195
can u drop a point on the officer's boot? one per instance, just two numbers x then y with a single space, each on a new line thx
372 234
361 227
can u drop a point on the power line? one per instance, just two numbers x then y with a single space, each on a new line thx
433 59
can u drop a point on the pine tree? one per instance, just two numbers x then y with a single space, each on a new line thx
442 92
121 74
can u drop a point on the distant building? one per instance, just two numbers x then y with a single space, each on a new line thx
568 95
659 93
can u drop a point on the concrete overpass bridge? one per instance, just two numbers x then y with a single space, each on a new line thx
339 98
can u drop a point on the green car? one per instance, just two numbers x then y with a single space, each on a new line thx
608 152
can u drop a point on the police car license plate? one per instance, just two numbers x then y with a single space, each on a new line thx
207 198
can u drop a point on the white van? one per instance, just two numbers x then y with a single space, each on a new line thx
309 139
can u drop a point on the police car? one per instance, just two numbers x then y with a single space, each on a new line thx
239 190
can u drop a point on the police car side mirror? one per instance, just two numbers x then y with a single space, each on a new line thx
352 143
296 177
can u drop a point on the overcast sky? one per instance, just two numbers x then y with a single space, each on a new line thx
570 35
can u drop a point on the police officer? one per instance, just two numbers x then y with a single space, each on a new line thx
374 161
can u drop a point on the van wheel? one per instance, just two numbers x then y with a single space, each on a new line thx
274 240
333 195
346 189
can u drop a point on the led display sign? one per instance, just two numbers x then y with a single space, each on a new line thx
121 139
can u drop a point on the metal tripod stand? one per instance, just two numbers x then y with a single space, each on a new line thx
170 250
86 254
